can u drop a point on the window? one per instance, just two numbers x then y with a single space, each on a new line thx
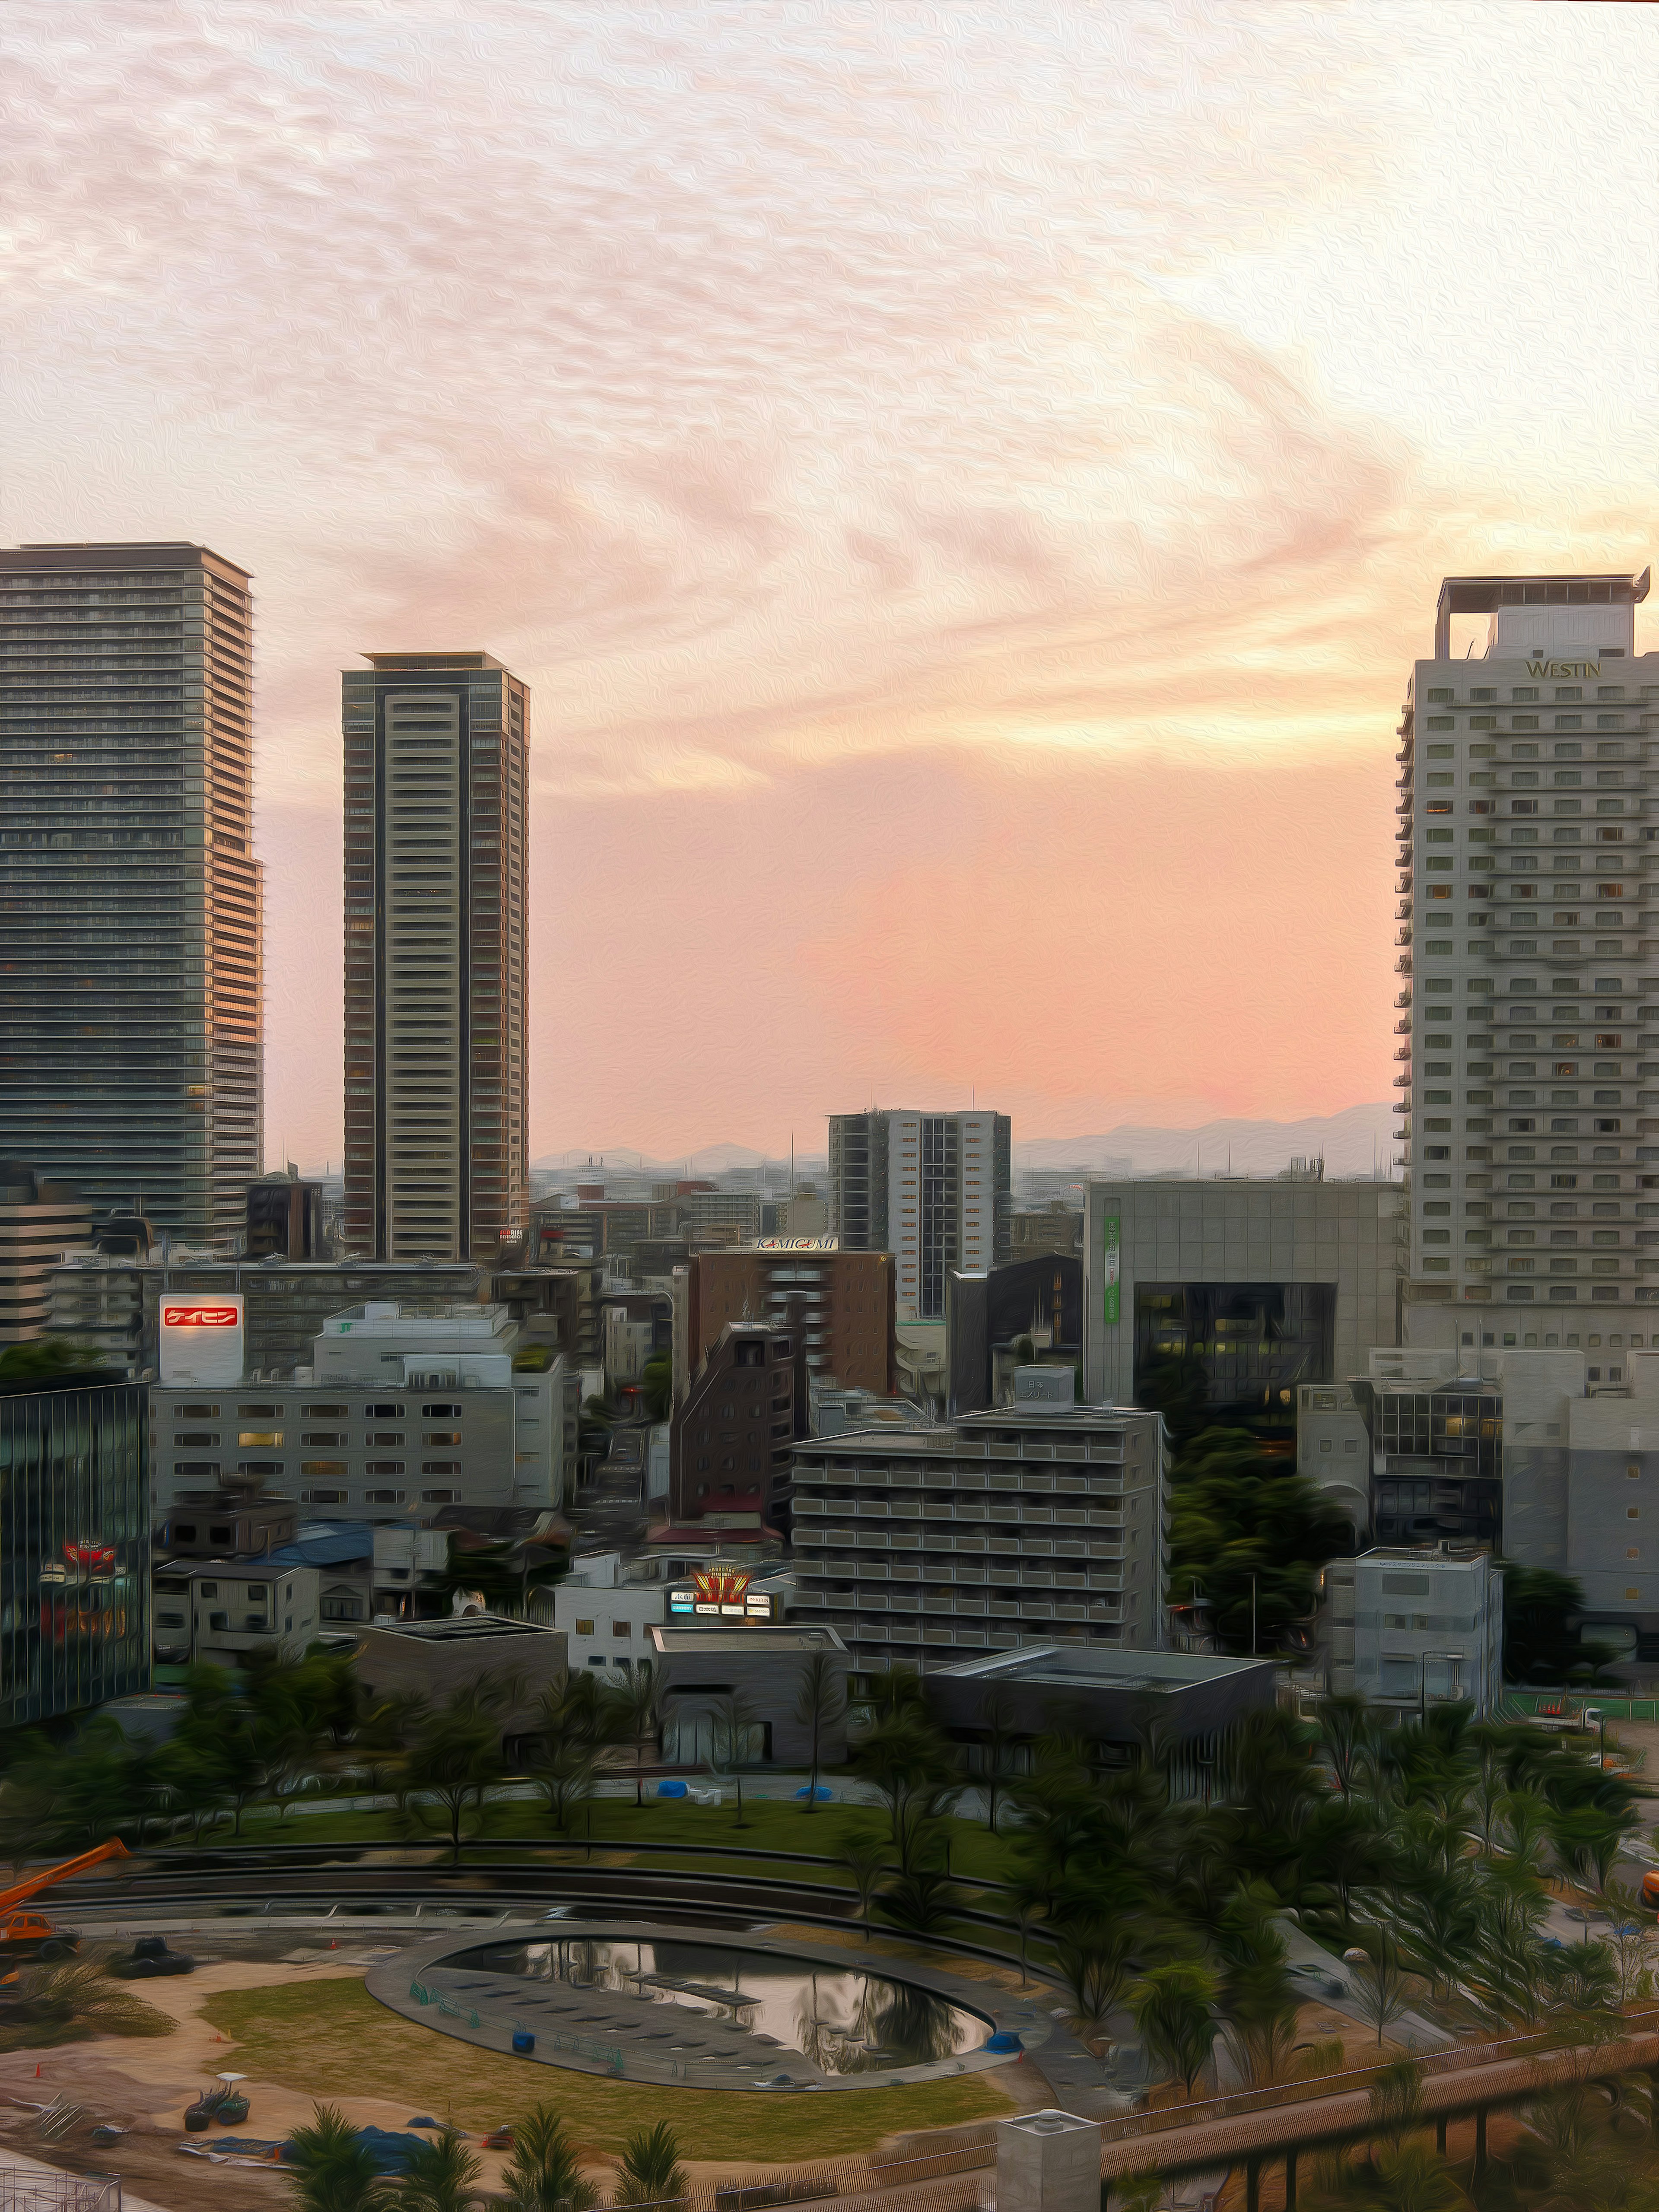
267 1437
1524 694
382 1496
196 1413
326 1497
383 1467
322 1466
194 1437
1632 1513
209 1589
323 1413
259 1412
441 1466
620 1629
584 1628
383 1412
441 1413
442 1437
437 1497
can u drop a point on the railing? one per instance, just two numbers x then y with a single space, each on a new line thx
23 2192
1461 2059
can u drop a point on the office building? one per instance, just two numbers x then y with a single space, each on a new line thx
1029 1523
436 814
934 1189
1226 1295
847 1301
130 1024
285 1219
1529 964
40 1223
732 1434
74 1546
113 1302
1027 1312
1414 1626
400 1415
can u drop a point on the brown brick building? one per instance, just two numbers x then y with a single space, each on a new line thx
846 1300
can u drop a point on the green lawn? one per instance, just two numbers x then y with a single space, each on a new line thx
331 2039
769 1824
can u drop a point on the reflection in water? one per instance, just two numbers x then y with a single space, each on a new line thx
842 2020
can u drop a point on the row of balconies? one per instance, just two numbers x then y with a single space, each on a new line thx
918 1474
886 1544
1074 1513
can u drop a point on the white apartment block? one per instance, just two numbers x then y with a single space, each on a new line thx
400 1416
1020 1525
1528 1003
934 1189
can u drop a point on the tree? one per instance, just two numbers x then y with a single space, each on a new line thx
61 2001
1173 2009
914 1774
1380 1984
1349 1732
542 2174
657 1382
1238 1512
999 1736
651 2173
640 1711
441 2177
734 1728
1092 1957
1256 1994
335 2169
455 1756
822 1704
865 1859
577 1718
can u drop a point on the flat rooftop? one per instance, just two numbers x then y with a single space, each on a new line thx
1084 1666
763 1637
458 1631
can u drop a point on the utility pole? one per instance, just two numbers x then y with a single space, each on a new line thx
1253 1648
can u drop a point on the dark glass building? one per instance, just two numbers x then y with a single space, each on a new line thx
129 899
1232 1352
436 1097
74 1546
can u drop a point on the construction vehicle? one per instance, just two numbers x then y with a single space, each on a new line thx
26 1934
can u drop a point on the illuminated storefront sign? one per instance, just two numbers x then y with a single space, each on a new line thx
796 1244
201 1340
721 1593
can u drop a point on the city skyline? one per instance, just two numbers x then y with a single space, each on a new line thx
929 589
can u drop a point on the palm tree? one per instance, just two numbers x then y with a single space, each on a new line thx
441 2177
651 2173
56 2000
865 1857
639 1708
1174 2008
820 1705
997 1726
1092 1957
542 2174
335 2169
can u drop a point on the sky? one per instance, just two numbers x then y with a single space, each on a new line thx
964 484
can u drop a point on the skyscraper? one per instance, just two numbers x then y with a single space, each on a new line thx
436 1109
131 1017
1529 969
934 1190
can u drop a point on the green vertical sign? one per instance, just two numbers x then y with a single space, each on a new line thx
1110 1232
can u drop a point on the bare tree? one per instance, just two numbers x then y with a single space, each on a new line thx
822 1703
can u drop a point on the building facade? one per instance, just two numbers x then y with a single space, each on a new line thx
1229 1294
1415 1625
400 1416
934 1189
74 1547
1030 1309
131 959
40 1223
730 1438
1528 843
113 1304
847 1300
436 812
1030 1524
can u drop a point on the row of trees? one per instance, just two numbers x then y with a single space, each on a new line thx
1427 1846
337 2171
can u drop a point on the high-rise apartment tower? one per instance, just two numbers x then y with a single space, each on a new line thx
934 1189
437 797
131 1020
1529 1000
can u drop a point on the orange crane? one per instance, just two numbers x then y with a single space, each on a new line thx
31 1934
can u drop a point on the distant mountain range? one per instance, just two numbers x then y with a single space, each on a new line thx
1352 1143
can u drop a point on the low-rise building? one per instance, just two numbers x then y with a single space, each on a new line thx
400 1415
220 1612
1120 1703
606 1626
1029 1521
1414 1626
703 1669
436 1659
41 1222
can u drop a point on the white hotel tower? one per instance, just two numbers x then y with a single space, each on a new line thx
1528 1004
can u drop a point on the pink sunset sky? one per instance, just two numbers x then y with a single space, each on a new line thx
964 484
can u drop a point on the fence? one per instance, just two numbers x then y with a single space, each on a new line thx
851 2183
1573 1702
23 2192
1461 2058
